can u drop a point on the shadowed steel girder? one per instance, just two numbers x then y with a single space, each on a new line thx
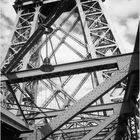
12 120
51 18
64 119
30 2
110 134
66 69
51 114
100 127
97 108
125 68
120 108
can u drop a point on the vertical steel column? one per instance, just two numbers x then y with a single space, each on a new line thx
91 47
101 43
133 128
34 25
26 23
29 57
94 20
97 31
96 76
22 32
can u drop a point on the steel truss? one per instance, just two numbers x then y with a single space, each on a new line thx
82 93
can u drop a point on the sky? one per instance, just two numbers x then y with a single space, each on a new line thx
122 15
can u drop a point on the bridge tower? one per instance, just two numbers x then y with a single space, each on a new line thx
64 74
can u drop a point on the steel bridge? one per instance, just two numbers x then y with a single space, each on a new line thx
65 77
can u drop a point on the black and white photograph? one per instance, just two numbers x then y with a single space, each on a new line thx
69 70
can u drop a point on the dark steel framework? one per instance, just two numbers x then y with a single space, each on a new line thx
92 92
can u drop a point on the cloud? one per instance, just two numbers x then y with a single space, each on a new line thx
131 24
123 8
6 25
8 10
9 23
124 16
3 1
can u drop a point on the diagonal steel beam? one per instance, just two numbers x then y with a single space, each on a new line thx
97 108
51 18
13 93
106 122
87 100
67 69
59 88
12 120
110 134
118 110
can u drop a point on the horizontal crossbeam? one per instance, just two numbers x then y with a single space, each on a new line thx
29 2
107 121
65 69
118 110
97 108
126 67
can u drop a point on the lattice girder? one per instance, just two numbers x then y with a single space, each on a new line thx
25 26
78 34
